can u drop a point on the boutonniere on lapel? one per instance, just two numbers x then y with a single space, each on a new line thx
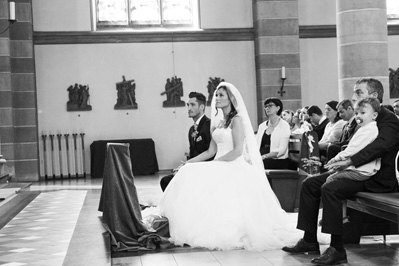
194 134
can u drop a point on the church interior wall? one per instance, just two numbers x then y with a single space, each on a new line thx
320 12
102 65
150 64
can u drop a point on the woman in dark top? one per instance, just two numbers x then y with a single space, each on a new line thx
273 136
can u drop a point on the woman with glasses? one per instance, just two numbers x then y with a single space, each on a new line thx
273 136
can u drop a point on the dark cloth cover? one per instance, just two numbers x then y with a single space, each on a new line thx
120 205
142 155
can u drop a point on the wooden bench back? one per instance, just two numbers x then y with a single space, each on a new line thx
298 148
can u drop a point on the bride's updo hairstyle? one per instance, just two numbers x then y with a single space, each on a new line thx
233 102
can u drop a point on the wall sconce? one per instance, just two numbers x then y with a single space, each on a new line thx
11 18
283 78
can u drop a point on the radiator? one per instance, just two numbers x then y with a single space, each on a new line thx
62 155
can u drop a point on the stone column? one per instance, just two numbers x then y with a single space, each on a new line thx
362 41
277 45
18 111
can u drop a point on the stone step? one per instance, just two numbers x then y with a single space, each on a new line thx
4 179
17 197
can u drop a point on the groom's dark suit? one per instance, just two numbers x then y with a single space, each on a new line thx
199 142
385 146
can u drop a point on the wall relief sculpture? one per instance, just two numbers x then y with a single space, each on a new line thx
174 92
79 98
126 94
212 85
394 83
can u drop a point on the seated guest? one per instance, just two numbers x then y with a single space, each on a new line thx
288 116
318 120
347 113
304 120
273 136
295 120
300 127
333 130
366 114
315 189
303 114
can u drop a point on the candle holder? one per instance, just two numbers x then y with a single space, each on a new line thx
281 92
11 19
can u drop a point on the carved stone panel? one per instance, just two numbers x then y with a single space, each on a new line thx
212 85
126 94
79 98
174 92
394 83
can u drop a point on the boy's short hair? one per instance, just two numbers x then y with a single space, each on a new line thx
373 102
199 96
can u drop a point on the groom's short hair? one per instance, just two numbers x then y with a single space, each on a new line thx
199 96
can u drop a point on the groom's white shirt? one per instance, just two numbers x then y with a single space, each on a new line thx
199 120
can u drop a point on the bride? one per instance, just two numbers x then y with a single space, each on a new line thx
226 203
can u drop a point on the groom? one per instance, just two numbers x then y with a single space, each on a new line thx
199 135
315 188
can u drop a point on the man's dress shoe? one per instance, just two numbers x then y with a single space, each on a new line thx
303 247
331 257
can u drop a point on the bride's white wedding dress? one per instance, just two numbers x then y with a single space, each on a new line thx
226 205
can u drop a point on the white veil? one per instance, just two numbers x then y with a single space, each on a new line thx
251 151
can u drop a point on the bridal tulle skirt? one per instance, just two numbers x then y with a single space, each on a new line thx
226 205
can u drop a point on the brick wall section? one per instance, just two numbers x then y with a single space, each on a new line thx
362 40
277 45
18 110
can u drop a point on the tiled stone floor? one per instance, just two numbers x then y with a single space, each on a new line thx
53 230
40 234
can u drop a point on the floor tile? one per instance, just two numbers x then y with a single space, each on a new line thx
158 259
13 264
195 258
33 235
240 257
21 250
54 215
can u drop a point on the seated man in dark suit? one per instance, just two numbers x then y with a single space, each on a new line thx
199 135
332 193
347 113
319 121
